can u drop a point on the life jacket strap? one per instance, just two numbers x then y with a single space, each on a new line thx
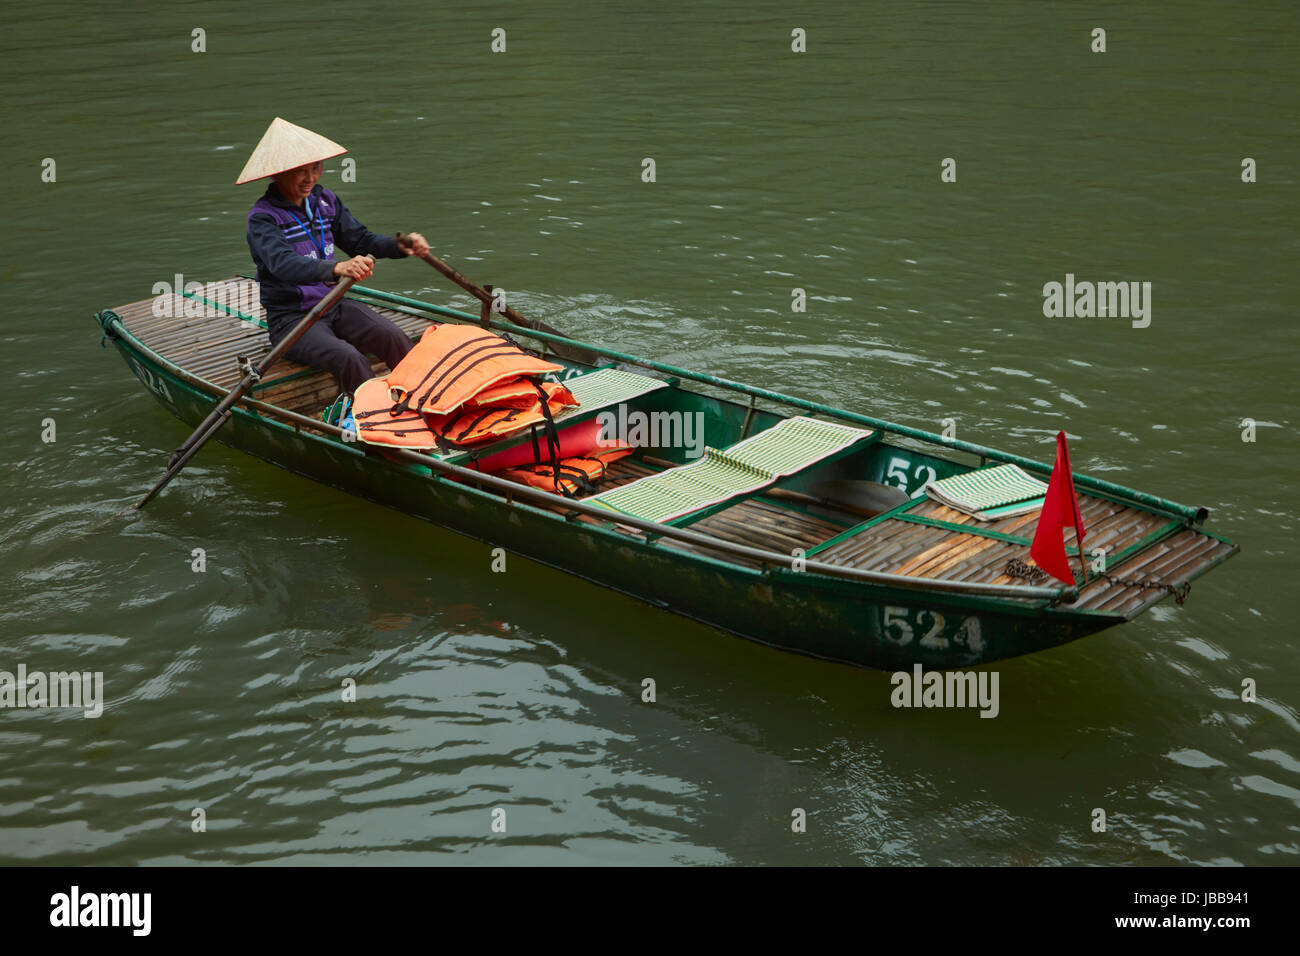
552 440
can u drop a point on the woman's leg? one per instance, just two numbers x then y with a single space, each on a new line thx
320 347
371 332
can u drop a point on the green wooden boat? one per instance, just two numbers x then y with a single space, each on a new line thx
797 558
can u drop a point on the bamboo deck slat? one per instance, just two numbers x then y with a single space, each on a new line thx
762 524
623 472
1174 561
917 550
208 344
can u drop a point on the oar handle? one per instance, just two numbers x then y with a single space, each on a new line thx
218 416
466 283
573 352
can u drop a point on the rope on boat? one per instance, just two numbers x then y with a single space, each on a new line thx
246 366
1019 569
104 319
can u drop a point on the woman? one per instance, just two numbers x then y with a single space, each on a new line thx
293 231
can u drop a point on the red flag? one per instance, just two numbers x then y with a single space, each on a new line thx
1060 511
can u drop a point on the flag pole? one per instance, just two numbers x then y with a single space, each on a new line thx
1083 566
1078 518
1060 511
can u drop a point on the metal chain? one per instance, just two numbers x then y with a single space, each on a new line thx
1147 584
1019 569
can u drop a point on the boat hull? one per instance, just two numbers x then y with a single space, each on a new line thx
869 625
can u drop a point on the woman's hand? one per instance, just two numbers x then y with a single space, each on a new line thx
358 267
413 244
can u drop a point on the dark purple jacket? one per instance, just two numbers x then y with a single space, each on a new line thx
294 251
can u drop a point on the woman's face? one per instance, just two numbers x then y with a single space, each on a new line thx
296 184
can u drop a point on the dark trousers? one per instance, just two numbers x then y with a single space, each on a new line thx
337 340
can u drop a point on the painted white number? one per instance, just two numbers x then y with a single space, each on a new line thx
568 374
896 475
922 482
153 382
969 634
932 639
898 615
900 625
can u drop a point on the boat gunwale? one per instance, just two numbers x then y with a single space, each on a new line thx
1120 494
1012 598
1193 514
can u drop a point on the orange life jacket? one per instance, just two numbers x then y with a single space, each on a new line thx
453 363
512 393
471 426
380 422
575 474
372 408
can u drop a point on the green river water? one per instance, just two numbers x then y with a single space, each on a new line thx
774 170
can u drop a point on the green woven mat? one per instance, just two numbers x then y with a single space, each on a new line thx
986 488
605 387
789 446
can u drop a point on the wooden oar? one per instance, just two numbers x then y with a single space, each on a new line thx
573 353
222 412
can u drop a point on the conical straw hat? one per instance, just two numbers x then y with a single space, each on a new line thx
283 147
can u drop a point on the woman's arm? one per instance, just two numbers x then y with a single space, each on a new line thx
356 240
